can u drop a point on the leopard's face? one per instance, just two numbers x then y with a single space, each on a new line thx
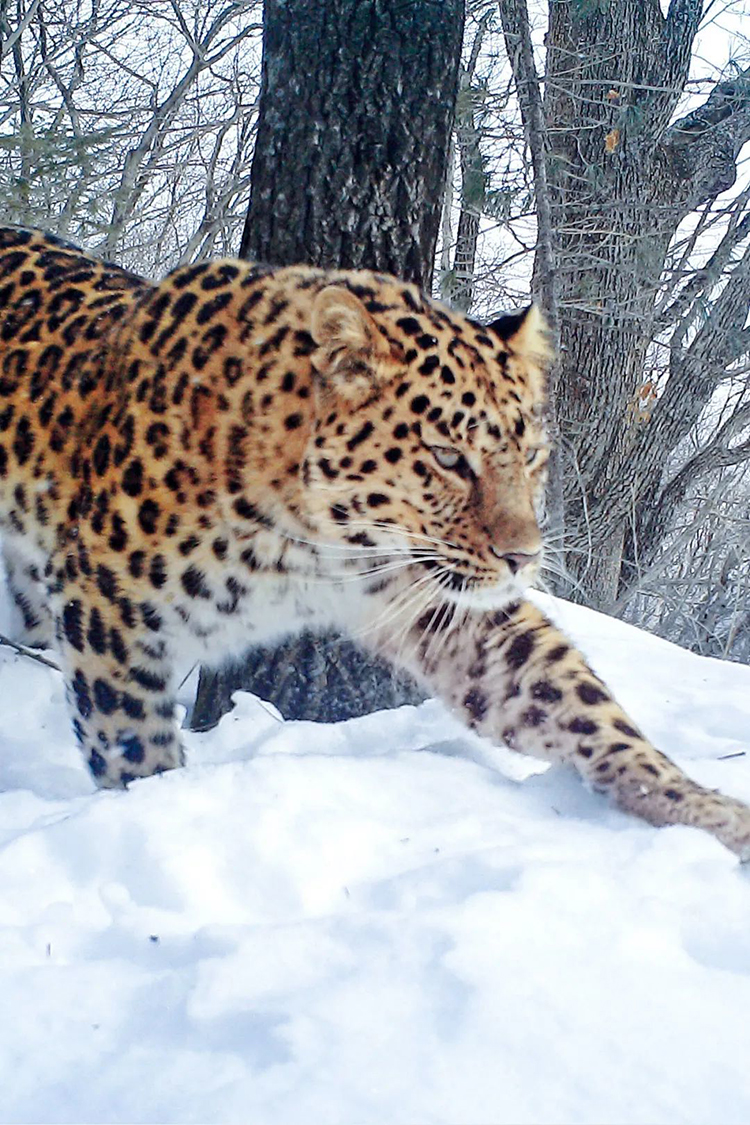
429 440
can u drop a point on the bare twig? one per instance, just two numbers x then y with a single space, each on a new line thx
22 650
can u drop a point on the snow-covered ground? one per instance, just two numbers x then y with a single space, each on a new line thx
376 922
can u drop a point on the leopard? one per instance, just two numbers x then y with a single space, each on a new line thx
238 452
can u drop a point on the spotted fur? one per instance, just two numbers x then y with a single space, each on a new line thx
191 467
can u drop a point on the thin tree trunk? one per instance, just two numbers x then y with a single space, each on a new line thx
356 112
474 179
514 17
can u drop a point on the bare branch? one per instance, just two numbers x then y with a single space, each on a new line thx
674 53
11 38
701 148
702 281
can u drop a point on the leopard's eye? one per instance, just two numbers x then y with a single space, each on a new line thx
446 456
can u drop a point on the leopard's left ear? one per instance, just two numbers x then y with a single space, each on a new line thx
351 349
526 334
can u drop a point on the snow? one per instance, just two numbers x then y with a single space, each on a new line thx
385 921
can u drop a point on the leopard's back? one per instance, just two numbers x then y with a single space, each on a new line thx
58 306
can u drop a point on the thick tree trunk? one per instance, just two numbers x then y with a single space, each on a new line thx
356 111
620 182
357 105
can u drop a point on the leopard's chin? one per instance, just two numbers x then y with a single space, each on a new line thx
483 596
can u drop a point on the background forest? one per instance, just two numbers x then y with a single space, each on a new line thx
595 156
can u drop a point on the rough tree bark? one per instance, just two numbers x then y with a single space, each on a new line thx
619 180
356 112
356 109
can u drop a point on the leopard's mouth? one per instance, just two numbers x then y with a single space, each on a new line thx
447 574
474 591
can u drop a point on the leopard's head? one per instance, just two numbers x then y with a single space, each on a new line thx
429 437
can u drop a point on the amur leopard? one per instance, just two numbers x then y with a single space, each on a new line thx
193 467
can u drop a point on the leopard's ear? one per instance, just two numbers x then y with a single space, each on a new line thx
351 350
526 334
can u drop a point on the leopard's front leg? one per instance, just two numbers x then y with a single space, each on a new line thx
119 680
514 677
28 593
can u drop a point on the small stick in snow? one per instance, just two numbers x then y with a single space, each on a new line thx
24 651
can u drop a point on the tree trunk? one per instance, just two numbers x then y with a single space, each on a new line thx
514 17
620 181
356 111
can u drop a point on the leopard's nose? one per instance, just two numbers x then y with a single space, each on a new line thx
516 560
